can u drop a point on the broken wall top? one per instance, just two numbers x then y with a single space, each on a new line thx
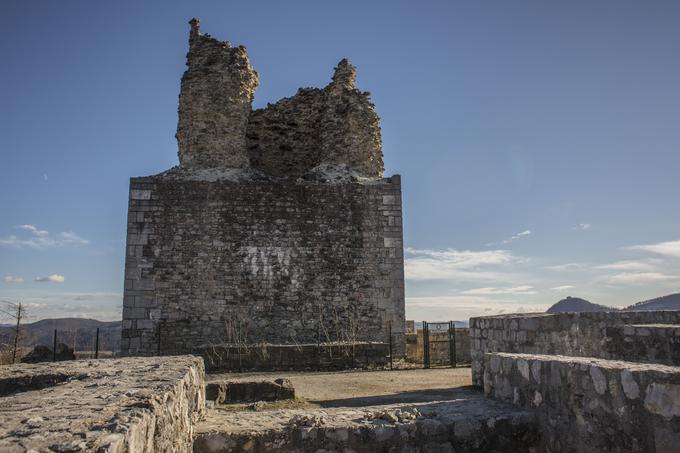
330 129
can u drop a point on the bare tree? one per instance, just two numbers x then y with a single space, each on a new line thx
16 312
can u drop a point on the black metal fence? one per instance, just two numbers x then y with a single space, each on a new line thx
71 344
439 344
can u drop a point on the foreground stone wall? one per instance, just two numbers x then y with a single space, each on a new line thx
466 424
571 334
591 405
214 262
113 405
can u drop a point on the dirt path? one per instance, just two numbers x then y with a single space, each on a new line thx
360 388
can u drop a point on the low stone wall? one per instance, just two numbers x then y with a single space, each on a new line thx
469 423
591 405
439 347
657 343
571 334
266 357
109 405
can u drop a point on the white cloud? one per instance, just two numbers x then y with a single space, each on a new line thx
54 278
581 227
639 278
42 239
491 291
454 264
34 230
669 248
12 279
630 265
462 307
567 267
42 304
562 288
517 236
511 238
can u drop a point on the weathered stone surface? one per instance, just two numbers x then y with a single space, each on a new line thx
644 336
657 343
224 262
115 405
468 423
329 130
336 127
591 405
215 103
276 228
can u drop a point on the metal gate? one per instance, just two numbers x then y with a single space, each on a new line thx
439 337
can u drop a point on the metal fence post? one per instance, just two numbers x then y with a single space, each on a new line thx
455 362
426 345
96 345
54 347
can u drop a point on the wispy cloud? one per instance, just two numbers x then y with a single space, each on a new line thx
12 279
639 278
669 248
42 239
462 307
631 265
581 227
567 267
492 291
54 278
562 288
41 304
454 264
511 238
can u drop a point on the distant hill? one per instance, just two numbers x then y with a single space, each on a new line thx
669 302
576 304
71 331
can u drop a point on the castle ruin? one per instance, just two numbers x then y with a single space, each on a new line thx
277 227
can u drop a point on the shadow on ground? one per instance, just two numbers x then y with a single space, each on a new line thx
416 396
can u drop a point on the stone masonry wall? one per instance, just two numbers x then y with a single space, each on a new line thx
336 126
277 226
214 103
571 334
211 262
587 405
135 404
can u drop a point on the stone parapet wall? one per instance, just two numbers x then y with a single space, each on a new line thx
656 343
571 334
588 405
467 424
111 405
214 261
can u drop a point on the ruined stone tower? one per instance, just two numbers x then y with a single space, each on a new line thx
276 226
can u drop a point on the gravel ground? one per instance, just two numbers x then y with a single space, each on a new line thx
361 388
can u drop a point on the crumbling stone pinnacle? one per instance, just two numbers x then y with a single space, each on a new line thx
345 74
195 27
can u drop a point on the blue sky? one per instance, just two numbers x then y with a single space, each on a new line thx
538 142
